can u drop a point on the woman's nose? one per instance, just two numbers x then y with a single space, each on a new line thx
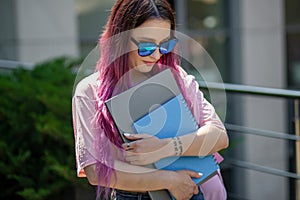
156 54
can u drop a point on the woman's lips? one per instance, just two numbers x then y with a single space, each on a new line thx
149 63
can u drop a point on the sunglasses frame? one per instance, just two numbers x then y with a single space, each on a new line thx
157 46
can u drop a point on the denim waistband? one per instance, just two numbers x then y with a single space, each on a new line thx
126 195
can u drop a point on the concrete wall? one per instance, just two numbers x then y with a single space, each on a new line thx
263 64
39 30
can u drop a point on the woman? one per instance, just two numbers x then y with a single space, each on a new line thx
142 44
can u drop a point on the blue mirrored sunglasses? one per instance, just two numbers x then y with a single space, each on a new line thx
147 48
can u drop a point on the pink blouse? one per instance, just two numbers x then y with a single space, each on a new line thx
83 108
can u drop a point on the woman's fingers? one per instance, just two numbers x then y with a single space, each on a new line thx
193 174
129 145
136 136
133 137
140 142
141 158
147 148
135 159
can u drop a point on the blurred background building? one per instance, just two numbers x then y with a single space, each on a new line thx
252 42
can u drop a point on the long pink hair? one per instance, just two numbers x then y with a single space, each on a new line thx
113 65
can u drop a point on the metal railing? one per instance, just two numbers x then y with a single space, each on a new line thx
267 92
10 64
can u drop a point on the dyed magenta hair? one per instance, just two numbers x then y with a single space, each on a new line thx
113 65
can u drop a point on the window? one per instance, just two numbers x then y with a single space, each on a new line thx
206 21
293 42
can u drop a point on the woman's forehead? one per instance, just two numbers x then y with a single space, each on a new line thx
154 29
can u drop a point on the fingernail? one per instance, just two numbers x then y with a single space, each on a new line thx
200 174
126 134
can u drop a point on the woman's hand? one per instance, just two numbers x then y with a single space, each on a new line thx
182 187
145 149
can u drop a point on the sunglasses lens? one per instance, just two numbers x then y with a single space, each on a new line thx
146 48
168 46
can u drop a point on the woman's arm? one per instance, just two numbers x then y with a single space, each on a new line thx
207 140
147 149
138 178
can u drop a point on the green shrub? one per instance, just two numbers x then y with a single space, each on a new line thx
36 135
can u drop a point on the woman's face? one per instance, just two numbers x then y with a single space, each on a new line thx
152 30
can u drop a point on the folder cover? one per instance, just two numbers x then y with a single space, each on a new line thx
171 119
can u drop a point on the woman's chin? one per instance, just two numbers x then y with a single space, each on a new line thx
144 68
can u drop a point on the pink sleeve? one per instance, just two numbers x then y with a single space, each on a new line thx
203 111
83 113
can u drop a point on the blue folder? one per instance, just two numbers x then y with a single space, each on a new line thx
174 118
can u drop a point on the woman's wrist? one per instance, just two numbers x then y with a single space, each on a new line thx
166 177
169 147
174 146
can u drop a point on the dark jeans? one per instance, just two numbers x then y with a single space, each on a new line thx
124 195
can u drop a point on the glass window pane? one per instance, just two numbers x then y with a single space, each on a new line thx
293 52
292 8
216 46
92 16
292 16
205 14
